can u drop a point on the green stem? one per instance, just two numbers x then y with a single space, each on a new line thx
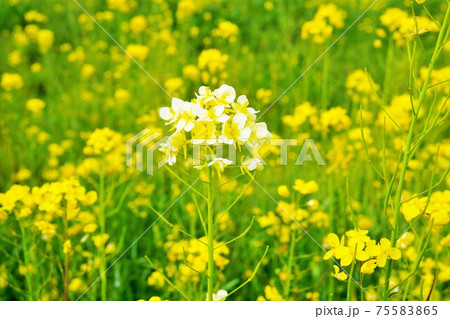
287 289
102 223
387 76
210 236
66 259
362 285
27 261
398 195
326 62
349 284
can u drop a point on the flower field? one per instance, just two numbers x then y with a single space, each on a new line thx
224 150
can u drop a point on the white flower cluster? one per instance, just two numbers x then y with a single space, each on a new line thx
214 118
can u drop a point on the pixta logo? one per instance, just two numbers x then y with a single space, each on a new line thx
141 149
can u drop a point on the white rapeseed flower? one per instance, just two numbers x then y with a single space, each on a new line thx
214 118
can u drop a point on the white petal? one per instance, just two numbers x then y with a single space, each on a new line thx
200 112
239 119
223 118
221 294
242 99
261 130
177 104
189 126
245 134
218 110
165 113
181 124
252 110
229 92
225 140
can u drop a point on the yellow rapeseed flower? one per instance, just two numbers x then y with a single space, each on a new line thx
35 105
11 81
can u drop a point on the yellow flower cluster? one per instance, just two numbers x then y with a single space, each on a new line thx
35 105
138 51
335 118
122 5
438 208
11 81
195 254
357 246
103 141
399 110
187 8
211 63
34 16
439 79
306 212
302 113
138 24
226 30
361 87
106 149
321 27
401 25
48 203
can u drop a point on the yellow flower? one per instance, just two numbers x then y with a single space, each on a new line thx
212 60
175 86
26 269
24 212
14 58
339 275
35 105
357 236
386 251
333 241
122 95
75 284
90 228
369 267
103 141
156 279
11 81
268 5
100 240
283 191
137 51
445 241
226 30
121 5
155 298
48 230
23 174
272 294
348 254
305 188
34 16
67 247
89 199
313 296
87 71
138 24
45 39
191 72
336 118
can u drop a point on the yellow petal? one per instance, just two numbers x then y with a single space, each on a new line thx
395 253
